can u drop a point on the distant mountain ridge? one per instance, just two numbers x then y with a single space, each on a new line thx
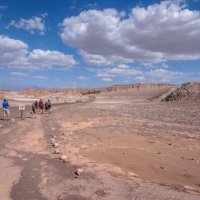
121 87
91 91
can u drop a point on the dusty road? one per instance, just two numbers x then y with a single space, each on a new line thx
125 151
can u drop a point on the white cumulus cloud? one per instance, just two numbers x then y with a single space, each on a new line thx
15 54
34 24
159 32
50 58
129 73
12 51
121 70
164 75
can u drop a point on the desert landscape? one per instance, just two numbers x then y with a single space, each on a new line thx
124 142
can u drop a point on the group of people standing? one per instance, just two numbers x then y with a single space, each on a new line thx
41 106
36 107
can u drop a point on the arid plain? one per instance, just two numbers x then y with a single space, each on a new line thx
123 142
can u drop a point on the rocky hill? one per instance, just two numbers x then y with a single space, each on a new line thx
187 91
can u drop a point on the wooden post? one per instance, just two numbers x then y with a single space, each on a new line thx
22 108
21 114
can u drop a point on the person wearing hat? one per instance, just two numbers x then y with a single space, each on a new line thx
5 106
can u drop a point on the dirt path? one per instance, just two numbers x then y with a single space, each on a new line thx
30 170
22 151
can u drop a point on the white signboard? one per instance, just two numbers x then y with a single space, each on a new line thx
21 107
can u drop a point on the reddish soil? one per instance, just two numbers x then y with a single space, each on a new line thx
124 146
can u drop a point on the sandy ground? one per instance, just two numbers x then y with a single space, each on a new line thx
126 149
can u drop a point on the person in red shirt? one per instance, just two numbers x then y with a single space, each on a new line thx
41 105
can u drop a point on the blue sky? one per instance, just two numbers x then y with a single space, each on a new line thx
74 43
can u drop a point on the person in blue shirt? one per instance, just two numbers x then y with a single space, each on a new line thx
5 106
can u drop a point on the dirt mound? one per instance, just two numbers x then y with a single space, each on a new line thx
187 91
